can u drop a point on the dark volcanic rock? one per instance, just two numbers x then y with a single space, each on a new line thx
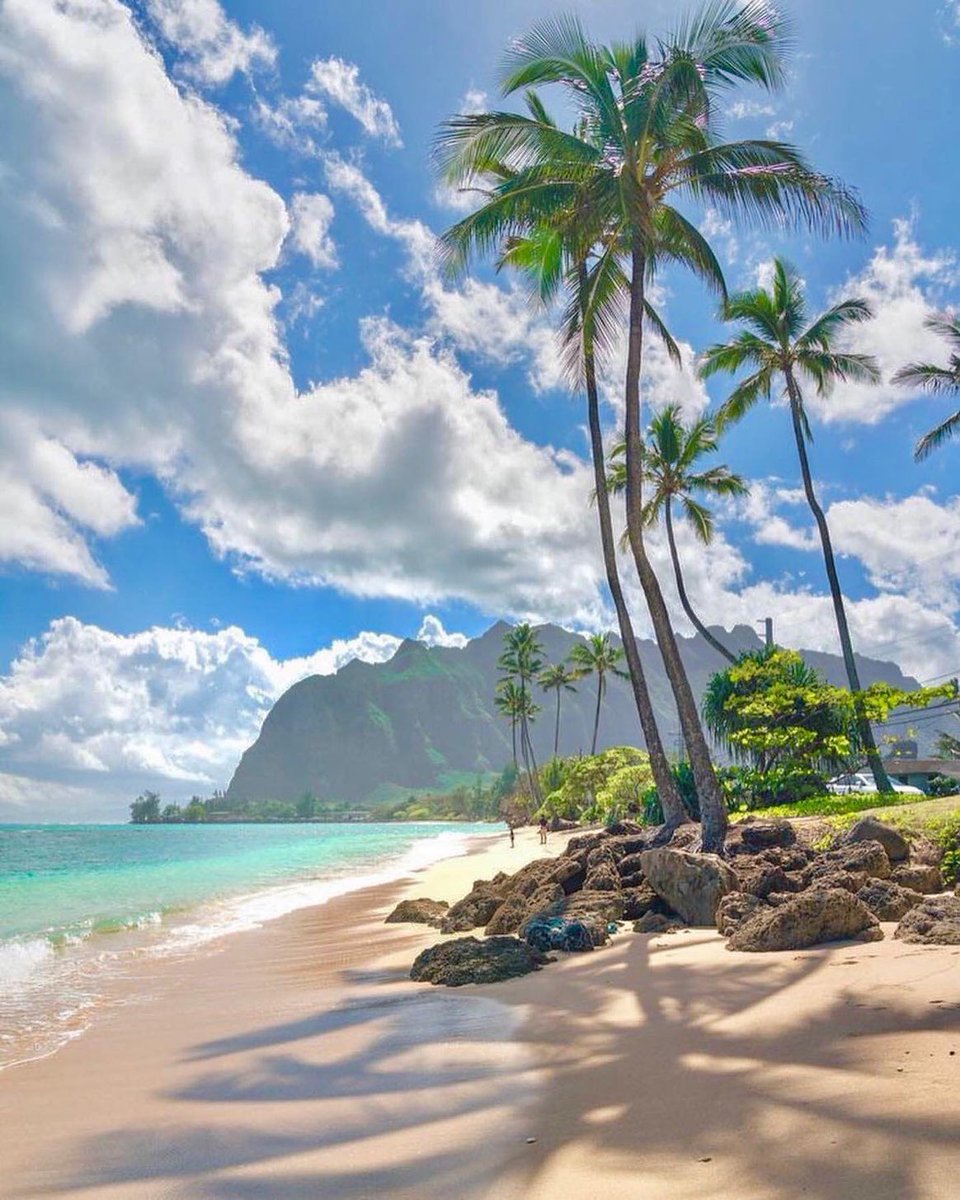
517 909
691 884
869 829
761 878
654 922
420 912
919 877
867 858
602 878
470 960
638 901
888 901
473 910
806 920
935 921
759 835
734 909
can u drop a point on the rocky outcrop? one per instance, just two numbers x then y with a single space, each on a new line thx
756 835
518 909
804 920
470 960
476 908
888 901
734 909
692 885
602 878
557 933
862 860
935 921
762 875
657 923
869 829
919 877
638 901
420 912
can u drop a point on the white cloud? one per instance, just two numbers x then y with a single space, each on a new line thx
214 48
779 130
905 285
311 214
292 122
432 633
741 109
339 82
770 528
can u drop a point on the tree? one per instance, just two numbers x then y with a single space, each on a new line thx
597 656
557 679
646 136
938 381
521 662
670 456
145 810
778 343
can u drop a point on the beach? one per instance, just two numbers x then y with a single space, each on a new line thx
298 1060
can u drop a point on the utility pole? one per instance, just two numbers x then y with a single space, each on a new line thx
767 623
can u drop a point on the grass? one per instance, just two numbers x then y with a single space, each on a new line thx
829 805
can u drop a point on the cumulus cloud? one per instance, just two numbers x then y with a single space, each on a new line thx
311 214
213 48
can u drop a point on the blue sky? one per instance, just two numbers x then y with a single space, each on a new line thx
247 432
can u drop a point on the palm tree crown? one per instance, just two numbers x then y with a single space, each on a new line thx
597 656
559 679
938 381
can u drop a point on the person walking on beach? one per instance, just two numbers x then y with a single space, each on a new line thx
510 827
543 831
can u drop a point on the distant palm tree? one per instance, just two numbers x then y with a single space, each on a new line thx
512 703
938 381
521 662
670 456
597 656
778 343
557 679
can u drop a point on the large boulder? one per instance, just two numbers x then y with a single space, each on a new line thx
470 960
734 909
861 858
473 910
596 910
806 920
935 921
762 878
654 922
691 884
420 912
630 865
888 901
869 829
517 909
638 901
919 877
756 835
602 878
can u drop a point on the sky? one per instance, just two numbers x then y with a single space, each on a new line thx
248 431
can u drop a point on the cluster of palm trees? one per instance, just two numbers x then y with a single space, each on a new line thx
523 662
590 213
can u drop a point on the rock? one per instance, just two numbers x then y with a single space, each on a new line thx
420 912
762 835
806 920
638 901
919 877
869 829
568 872
734 908
762 878
691 884
557 933
561 825
868 858
596 910
600 856
517 909
934 922
602 878
584 843
475 909
850 881
638 879
625 827
630 865
685 835
657 923
470 960
888 901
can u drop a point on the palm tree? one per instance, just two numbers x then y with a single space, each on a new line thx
511 702
670 457
557 679
521 662
778 343
597 656
938 381
645 136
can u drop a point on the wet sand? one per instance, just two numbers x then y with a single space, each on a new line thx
298 1061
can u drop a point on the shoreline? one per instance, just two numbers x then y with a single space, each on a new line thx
298 1060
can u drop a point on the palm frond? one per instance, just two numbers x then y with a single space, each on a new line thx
930 378
936 437
825 328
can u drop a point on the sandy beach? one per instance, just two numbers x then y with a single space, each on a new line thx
298 1061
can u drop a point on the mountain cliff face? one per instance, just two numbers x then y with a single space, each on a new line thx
427 716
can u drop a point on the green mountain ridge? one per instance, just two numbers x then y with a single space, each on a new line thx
425 719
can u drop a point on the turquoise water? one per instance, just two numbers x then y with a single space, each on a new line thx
80 903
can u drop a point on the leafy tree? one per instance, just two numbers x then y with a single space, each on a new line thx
938 381
172 814
671 455
601 786
645 137
597 656
307 807
557 678
779 344
195 812
145 810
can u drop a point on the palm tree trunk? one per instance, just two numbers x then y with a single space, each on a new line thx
682 592
534 773
513 732
596 715
556 729
674 813
846 645
713 811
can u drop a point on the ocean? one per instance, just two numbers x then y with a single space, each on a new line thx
81 905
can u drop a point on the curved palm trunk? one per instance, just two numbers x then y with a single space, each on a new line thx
526 749
596 715
556 729
846 645
513 733
713 811
674 813
682 592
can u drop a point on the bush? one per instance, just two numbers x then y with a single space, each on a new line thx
943 785
600 787
686 785
747 788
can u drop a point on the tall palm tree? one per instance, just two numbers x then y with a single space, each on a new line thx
511 703
938 381
778 343
521 662
597 656
557 678
670 456
646 136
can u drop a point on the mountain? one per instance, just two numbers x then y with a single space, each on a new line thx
426 719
